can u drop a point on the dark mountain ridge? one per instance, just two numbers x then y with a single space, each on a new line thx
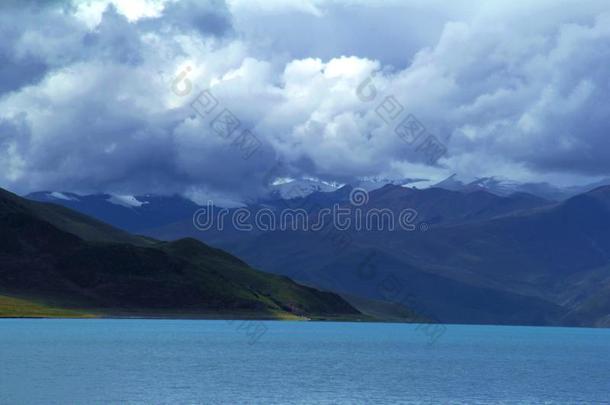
53 255
482 258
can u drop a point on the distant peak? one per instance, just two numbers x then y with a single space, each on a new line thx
54 195
296 188
63 196
127 201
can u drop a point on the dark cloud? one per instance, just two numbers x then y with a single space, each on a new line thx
96 96
114 40
16 74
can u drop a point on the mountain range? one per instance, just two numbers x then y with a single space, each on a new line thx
130 213
505 187
475 256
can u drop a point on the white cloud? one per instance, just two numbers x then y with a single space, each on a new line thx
88 103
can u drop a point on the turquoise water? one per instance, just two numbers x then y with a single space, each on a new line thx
209 362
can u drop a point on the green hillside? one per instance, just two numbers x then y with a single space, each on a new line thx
67 263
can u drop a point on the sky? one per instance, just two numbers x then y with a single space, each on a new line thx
113 96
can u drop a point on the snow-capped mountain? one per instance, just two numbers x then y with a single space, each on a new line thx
139 214
506 187
501 187
295 188
375 183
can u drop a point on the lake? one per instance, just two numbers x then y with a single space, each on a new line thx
132 361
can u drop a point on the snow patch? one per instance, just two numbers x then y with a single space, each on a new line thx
301 188
62 196
128 201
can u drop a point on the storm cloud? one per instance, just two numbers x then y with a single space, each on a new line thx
97 96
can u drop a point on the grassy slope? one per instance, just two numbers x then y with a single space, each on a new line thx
276 291
14 307
11 307
75 263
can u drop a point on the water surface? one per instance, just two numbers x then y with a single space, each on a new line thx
181 361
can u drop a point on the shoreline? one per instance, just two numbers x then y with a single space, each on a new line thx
276 319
